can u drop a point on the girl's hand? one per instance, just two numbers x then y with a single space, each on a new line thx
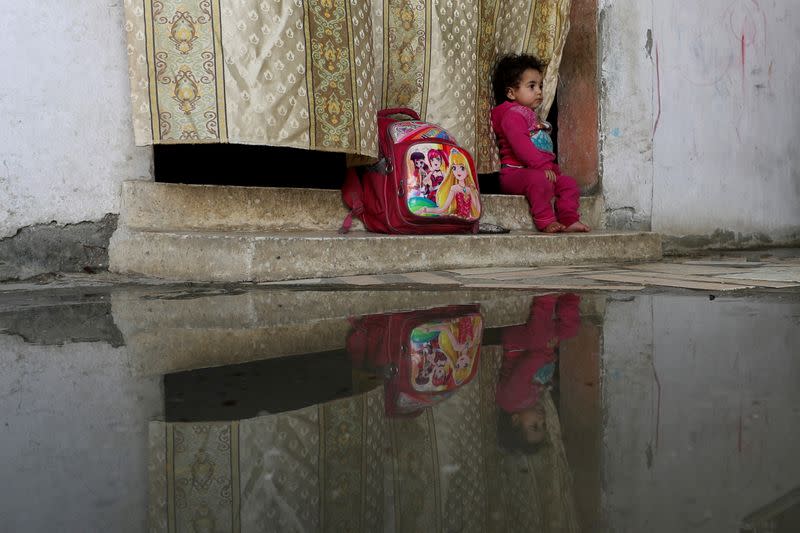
551 176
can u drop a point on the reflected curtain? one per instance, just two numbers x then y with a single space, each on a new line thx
344 466
312 73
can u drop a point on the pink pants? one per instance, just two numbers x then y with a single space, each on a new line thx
540 191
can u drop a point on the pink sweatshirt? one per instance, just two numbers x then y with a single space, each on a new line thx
513 124
530 346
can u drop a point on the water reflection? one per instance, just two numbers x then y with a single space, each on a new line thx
426 355
236 410
528 368
70 317
425 450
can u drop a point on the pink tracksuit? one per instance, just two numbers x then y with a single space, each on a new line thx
530 346
523 166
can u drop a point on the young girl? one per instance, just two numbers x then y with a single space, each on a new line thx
457 195
525 168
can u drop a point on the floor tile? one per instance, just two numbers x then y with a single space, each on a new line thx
665 282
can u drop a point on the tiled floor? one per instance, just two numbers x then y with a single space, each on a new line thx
723 274
730 271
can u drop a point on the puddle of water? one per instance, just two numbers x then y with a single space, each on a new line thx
242 410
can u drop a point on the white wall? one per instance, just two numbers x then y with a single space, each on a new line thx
66 140
701 130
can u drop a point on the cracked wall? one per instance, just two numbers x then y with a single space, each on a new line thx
699 121
44 248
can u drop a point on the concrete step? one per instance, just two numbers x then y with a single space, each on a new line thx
220 233
147 205
170 333
204 255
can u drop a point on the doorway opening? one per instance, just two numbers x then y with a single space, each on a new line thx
247 165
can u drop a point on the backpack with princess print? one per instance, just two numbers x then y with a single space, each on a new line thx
423 182
425 355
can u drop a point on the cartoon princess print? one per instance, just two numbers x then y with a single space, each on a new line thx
458 195
438 163
433 366
455 355
425 365
459 341
442 371
419 181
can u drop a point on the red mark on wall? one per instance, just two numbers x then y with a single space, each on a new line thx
744 58
749 23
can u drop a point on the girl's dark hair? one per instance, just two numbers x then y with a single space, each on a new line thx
511 439
508 73
417 155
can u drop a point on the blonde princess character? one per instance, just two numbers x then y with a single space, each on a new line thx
459 342
458 195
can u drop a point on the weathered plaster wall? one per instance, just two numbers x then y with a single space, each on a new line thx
699 411
66 141
626 111
700 121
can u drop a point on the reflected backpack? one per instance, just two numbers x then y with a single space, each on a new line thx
425 355
422 183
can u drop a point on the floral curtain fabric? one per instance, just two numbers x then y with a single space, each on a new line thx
344 466
312 73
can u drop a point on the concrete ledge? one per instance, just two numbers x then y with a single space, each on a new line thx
256 256
169 335
730 240
147 205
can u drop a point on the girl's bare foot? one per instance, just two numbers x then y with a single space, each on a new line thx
554 227
577 227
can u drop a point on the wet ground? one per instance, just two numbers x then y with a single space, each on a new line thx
406 405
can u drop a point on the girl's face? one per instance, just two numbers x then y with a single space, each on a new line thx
419 163
460 172
532 422
436 163
529 90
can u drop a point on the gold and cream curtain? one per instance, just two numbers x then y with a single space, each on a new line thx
312 73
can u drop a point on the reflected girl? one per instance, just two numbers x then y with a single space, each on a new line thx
527 370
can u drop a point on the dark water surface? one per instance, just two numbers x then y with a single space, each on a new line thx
162 409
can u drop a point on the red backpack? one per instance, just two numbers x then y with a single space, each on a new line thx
423 182
425 355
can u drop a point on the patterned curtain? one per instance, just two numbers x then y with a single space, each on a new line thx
344 466
312 73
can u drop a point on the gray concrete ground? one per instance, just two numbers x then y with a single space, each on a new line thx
715 272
